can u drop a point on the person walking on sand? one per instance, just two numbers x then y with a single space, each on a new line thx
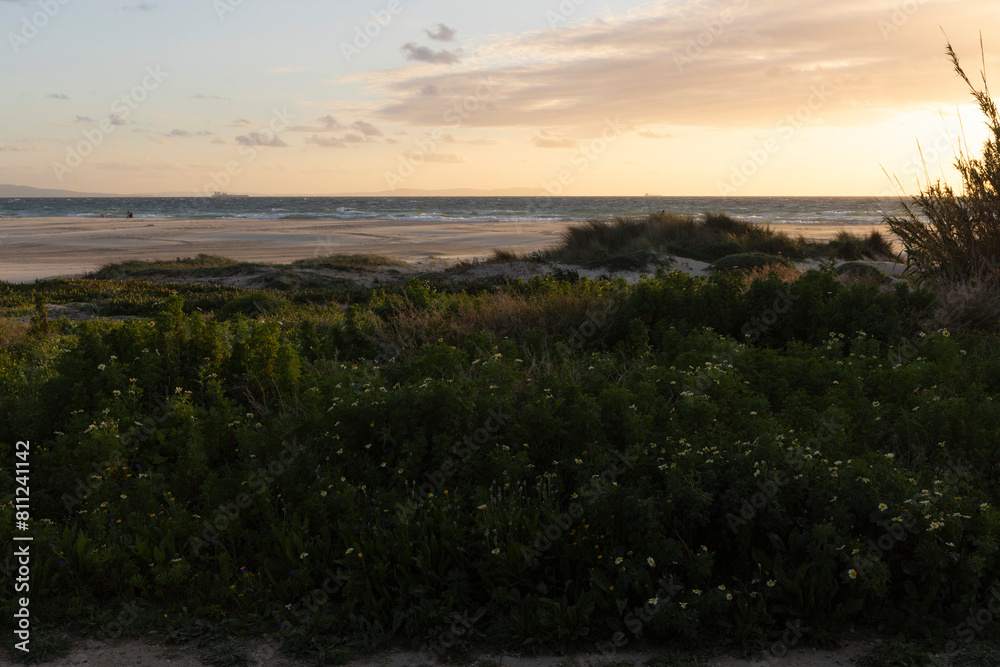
130 214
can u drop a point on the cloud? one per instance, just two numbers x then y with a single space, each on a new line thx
242 122
57 96
145 165
21 149
546 141
186 133
427 55
326 142
84 119
354 139
214 98
116 120
366 129
442 34
649 134
141 7
660 66
261 139
323 124
220 140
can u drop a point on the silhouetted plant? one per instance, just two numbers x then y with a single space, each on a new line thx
951 236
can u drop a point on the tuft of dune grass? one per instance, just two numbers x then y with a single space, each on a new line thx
637 242
137 267
712 238
350 262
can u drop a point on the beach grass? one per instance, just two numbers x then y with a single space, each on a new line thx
135 267
954 236
350 262
626 242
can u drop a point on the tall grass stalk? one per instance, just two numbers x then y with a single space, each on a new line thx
955 237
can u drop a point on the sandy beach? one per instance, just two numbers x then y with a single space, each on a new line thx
36 248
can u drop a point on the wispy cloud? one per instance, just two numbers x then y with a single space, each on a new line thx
442 33
323 124
214 98
57 96
184 134
326 142
367 129
547 141
261 139
21 149
428 55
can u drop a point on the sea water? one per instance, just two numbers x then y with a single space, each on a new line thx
771 210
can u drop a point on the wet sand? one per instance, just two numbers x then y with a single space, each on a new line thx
35 248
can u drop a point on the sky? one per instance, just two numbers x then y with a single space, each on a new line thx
565 97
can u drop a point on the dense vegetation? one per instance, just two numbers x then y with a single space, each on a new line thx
548 465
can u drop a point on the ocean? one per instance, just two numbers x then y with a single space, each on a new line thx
772 210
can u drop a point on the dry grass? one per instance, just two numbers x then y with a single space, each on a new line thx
12 331
784 272
502 314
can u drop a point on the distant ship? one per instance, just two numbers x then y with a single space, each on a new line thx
225 194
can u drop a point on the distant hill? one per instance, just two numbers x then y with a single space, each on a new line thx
27 191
